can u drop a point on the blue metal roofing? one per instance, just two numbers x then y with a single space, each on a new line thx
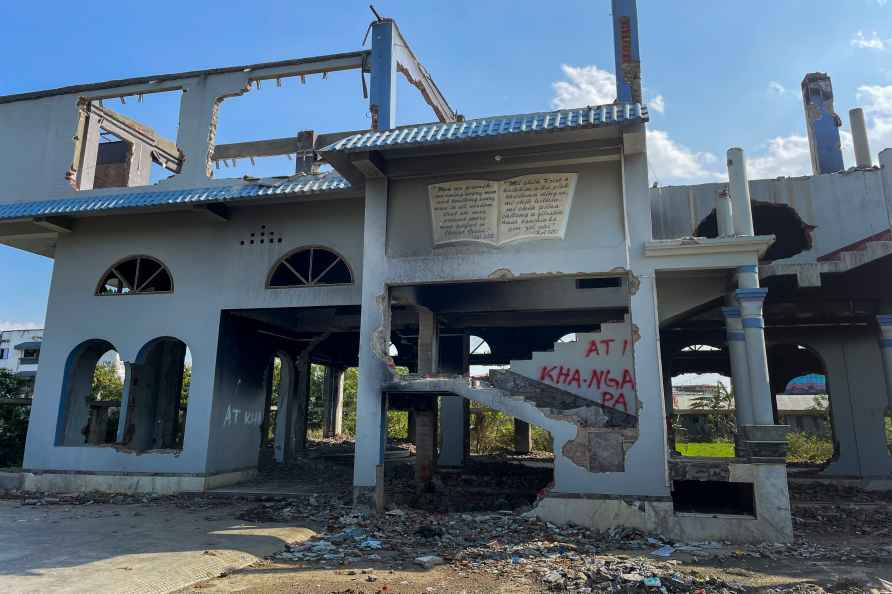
311 184
531 123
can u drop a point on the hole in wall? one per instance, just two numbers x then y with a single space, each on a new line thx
713 497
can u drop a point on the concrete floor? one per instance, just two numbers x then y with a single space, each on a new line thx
127 548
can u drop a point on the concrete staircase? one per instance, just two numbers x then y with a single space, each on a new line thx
808 274
561 391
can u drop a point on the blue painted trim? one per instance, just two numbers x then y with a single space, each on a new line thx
886 343
731 312
754 294
885 319
734 335
753 322
749 268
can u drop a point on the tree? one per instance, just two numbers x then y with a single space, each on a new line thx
10 385
107 384
13 421
718 406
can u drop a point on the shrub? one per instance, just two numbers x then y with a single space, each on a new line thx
808 448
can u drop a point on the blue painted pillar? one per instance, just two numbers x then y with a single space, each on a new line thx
885 322
382 87
822 123
751 300
625 49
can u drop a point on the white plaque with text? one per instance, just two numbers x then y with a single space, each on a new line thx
527 207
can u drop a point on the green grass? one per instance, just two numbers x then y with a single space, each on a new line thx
722 449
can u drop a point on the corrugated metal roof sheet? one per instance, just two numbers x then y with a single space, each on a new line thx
530 123
311 184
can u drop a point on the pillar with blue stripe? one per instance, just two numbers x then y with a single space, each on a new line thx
751 301
740 380
885 322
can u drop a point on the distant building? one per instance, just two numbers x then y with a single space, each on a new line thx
20 353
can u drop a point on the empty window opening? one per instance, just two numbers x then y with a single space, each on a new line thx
713 497
92 390
136 275
259 132
703 415
271 409
309 267
160 381
126 141
803 400
599 282
479 346
571 337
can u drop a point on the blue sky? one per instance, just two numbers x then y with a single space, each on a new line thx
717 74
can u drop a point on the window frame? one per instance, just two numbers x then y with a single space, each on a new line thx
163 268
310 284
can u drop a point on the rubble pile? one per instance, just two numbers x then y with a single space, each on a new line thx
503 544
480 485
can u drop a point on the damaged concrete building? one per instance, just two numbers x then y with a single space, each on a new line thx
392 247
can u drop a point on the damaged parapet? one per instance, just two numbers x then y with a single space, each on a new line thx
822 123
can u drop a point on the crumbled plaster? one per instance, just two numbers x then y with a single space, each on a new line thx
603 434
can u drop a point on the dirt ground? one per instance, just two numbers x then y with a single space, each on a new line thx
467 533
473 521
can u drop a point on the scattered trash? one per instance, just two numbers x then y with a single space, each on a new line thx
429 561
664 551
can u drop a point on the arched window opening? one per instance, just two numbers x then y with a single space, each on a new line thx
310 267
91 395
568 337
160 381
478 346
802 400
134 276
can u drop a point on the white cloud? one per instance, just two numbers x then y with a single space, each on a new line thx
588 85
668 161
775 88
877 101
671 162
658 104
873 42
18 325
786 156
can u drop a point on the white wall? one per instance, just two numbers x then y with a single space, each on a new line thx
211 271
845 207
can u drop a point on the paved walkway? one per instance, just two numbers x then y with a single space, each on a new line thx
127 548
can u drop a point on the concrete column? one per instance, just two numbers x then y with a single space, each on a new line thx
98 425
374 340
333 415
301 403
859 138
410 432
739 187
283 443
454 430
455 438
885 322
426 442
724 214
428 342
751 300
383 83
523 437
740 381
